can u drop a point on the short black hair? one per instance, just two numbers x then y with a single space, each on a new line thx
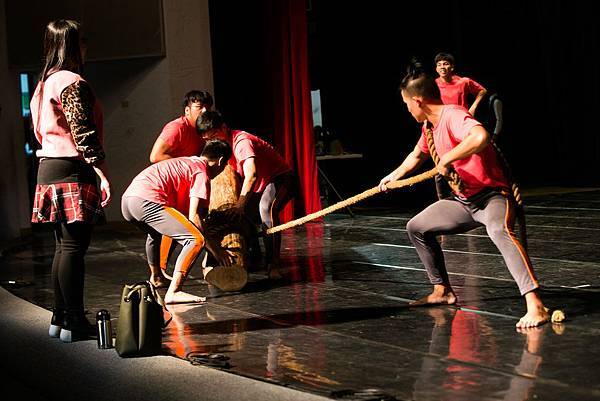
209 120
444 57
198 96
417 82
216 148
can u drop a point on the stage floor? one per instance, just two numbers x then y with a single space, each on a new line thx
338 324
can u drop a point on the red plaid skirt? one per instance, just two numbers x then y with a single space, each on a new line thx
66 203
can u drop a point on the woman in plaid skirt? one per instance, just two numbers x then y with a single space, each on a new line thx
67 121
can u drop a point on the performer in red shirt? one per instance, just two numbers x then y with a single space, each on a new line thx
268 184
170 198
179 138
455 89
461 143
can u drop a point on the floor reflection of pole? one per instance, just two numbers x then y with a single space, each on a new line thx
283 360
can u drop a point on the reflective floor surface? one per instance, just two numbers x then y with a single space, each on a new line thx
338 324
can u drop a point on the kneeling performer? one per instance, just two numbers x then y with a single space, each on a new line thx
155 202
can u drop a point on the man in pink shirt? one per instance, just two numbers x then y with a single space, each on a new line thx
268 180
462 146
170 198
455 89
179 138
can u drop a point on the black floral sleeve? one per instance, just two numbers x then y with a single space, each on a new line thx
78 104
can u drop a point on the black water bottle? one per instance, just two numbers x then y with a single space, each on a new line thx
104 329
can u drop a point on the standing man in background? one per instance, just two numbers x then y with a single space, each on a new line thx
454 90
179 137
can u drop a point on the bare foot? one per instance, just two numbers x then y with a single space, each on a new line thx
533 318
536 314
160 281
180 297
441 295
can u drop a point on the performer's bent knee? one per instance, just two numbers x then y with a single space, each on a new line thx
413 228
497 231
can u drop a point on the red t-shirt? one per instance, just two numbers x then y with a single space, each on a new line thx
173 182
269 164
182 137
456 91
478 171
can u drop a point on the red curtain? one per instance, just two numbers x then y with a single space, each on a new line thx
292 111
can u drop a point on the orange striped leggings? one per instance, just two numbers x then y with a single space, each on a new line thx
158 220
449 216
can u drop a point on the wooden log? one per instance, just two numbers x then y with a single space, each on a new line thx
225 189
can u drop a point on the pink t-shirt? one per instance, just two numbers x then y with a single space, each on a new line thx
182 137
49 122
479 171
173 182
456 91
269 164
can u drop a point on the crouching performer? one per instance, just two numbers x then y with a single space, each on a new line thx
458 145
156 201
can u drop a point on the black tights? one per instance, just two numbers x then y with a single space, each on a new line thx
72 241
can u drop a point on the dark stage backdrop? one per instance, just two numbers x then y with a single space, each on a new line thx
262 83
541 57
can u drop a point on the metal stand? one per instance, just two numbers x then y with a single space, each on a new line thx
334 190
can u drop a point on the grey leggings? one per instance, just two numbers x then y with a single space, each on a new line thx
158 220
270 203
449 216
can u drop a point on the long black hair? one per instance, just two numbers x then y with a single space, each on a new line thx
62 49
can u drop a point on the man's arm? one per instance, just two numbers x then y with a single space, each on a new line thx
160 151
196 215
475 141
478 98
410 163
249 167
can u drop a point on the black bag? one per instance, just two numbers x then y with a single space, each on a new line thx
141 320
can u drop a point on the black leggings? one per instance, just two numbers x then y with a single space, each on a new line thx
72 241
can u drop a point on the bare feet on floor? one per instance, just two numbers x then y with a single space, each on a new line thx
441 295
536 314
160 281
180 297
533 318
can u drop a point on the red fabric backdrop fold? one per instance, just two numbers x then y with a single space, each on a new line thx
292 109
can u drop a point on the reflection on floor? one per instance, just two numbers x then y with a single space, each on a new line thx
338 323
